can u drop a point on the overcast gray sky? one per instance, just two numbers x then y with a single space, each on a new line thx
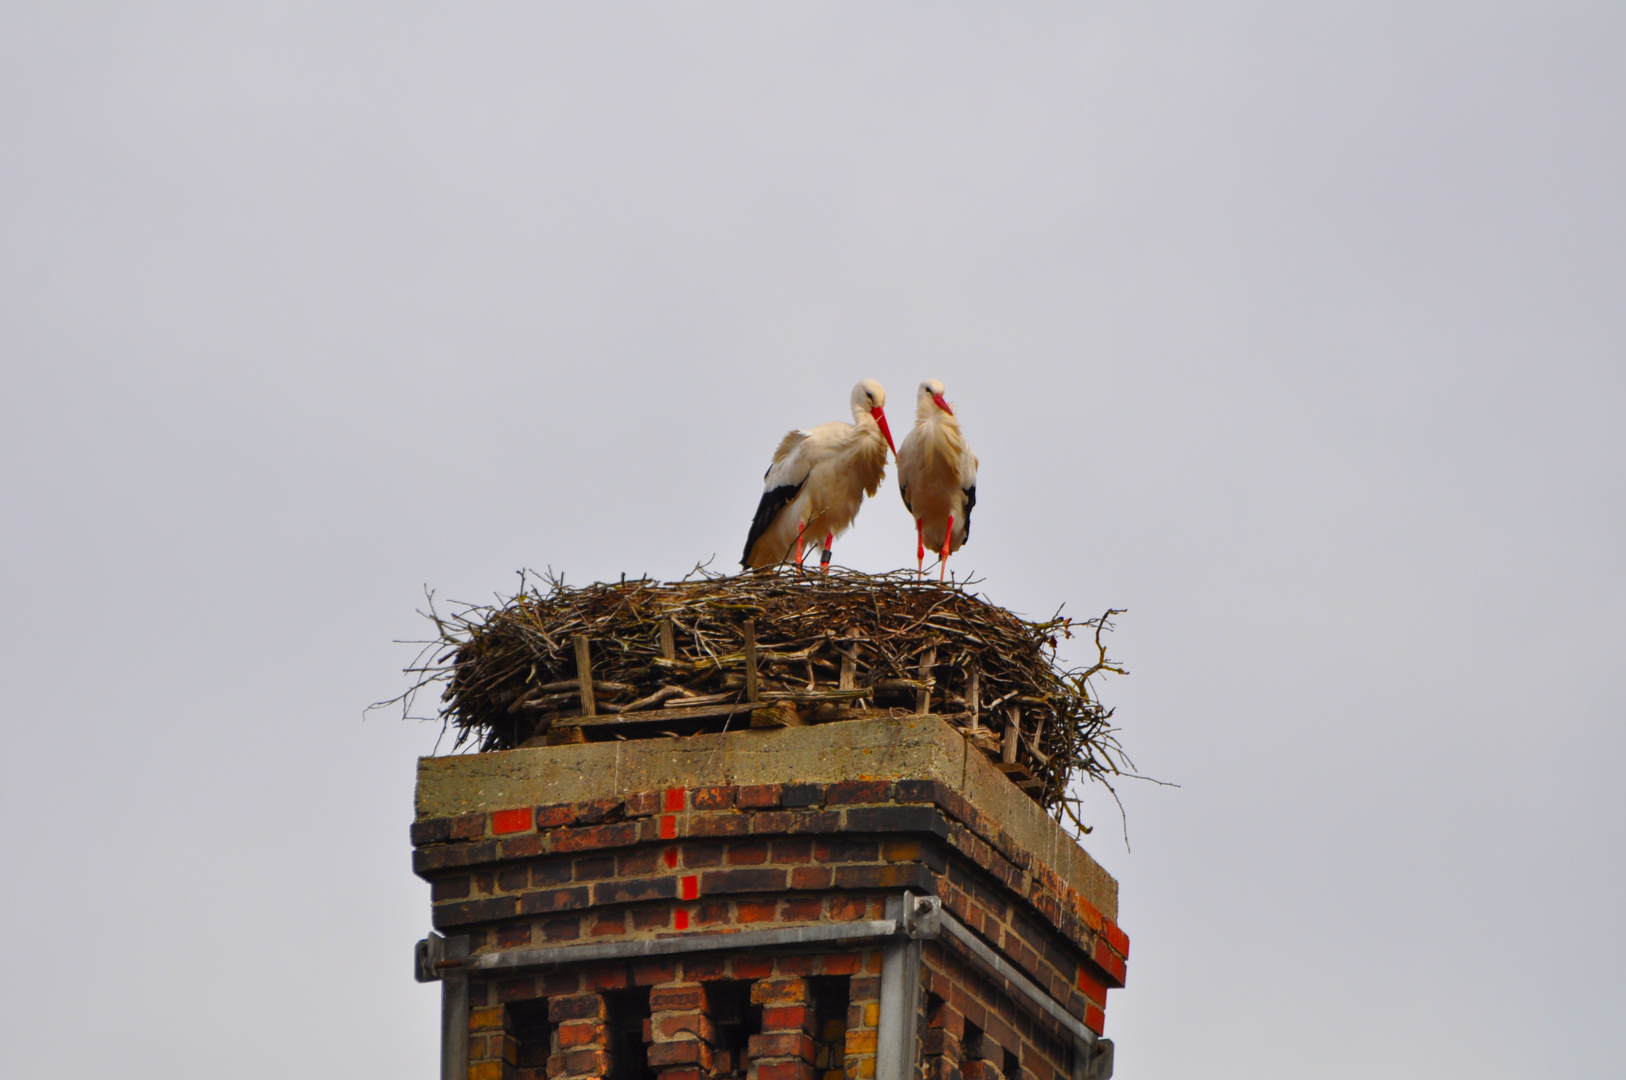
1296 330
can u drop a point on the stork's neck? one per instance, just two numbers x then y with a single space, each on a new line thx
926 411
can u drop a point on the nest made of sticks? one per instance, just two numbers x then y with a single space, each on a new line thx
776 648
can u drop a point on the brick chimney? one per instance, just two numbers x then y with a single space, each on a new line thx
843 901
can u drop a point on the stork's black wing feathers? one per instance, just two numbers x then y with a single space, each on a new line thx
773 501
970 501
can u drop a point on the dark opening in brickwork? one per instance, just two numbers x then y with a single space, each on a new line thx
831 996
735 1019
626 1011
528 1023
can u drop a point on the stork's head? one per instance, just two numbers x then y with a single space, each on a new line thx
930 400
869 398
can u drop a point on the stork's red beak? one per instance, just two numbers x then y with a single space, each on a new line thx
941 404
880 422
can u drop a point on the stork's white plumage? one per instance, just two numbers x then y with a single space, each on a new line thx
937 474
817 481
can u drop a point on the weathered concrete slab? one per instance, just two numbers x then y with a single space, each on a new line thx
913 749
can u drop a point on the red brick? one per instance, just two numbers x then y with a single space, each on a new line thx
688 1023
607 978
552 817
712 798
574 1036
847 908
609 924
979 1070
517 989
670 858
781 1044
788 1017
705 968
524 846
638 863
807 909
758 796
754 911
799 964
788 1070
668 827
1095 988
680 919
750 853
510 821
839 964
680 1052
1095 1020
674 800
651 972
752 967
583 1063
689 886
1118 939
672 998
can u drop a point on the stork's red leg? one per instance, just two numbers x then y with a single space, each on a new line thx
920 550
801 528
824 558
948 533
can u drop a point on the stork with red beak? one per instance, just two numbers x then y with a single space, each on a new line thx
817 481
937 474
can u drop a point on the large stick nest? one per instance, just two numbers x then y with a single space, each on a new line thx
509 668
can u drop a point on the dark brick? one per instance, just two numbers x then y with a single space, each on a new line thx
892 876
562 929
672 998
633 890
516 989
918 791
680 1052
513 878
751 968
719 825
594 1062
651 918
514 936
897 819
543 903
591 837
637 863
654 972
857 791
712 798
433 831
792 851
801 795
702 855
555 816
449 888
753 853
713 913
598 811
846 851
546 874
770 822
714 882
595 867
473 911
758 796
528 846
643 804
447 856
609 923
468 826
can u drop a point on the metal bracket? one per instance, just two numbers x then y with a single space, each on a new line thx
922 916
428 955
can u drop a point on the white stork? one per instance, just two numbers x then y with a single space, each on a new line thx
937 474
817 481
